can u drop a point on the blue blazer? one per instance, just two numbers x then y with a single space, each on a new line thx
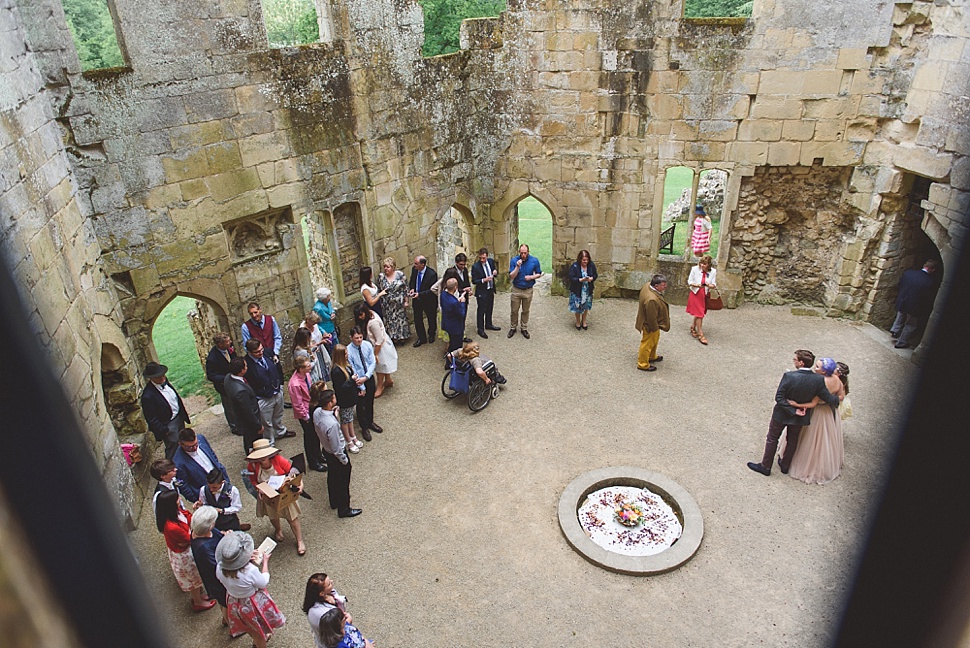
190 473
453 314
915 293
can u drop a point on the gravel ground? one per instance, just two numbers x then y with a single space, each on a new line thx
459 544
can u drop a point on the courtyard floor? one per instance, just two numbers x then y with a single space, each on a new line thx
459 543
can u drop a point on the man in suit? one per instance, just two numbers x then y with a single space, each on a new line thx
265 329
464 285
799 386
216 370
913 304
162 407
483 277
265 381
245 406
653 316
194 459
423 300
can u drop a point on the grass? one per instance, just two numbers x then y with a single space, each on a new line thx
535 230
676 180
175 345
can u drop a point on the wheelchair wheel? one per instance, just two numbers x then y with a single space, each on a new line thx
479 394
446 389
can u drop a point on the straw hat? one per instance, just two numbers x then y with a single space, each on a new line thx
234 550
261 450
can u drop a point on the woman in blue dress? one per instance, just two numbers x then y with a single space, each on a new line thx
582 274
336 632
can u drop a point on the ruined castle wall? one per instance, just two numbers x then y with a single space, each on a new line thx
50 247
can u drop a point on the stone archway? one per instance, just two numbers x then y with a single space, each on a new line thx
454 235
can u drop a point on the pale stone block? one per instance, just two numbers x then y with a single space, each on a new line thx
864 82
923 162
225 186
223 156
781 82
822 82
193 189
940 193
753 153
548 169
665 106
931 76
872 106
705 151
829 130
960 174
783 153
671 150
718 130
663 81
760 130
683 130
267 174
251 99
285 195
834 108
736 106
842 153
800 130
946 48
778 38
163 196
776 108
853 58
262 148
586 41
191 164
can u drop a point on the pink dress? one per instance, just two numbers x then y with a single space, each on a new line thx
700 240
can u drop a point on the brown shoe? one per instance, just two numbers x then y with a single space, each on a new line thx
366 434
245 527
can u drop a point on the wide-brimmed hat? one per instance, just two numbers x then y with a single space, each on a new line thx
261 450
154 370
234 550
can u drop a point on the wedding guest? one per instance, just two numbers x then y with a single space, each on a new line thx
265 461
324 309
582 274
524 269
337 632
820 452
205 538
453 310
299 389
318 345
700 240
320 597
250 608
360 353
702 278
384 352
222 497
371 293
334 449
172 521
346 389
395 286
484 273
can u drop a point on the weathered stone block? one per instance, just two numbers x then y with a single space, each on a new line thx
822 82
776 108
753 153
225 186
781 82
760 130
783 153
718 130
190 164
930 77
923 162
223 156
853 58
262 148
835 108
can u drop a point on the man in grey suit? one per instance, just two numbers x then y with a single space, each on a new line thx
800 386
242 399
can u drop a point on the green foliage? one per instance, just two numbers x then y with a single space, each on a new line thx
175 346
535 230
290 22
442 21
94 34
717 8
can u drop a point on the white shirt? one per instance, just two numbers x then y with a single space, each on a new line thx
235 502
170 395
169 485
695 278
247 581
200 458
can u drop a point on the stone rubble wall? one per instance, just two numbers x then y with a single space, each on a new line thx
50 247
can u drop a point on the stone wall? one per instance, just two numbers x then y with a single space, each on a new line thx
49 245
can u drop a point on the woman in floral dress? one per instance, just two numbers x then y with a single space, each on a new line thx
395 286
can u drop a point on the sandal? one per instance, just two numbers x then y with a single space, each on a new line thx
301 552
703 340
693 331
278 537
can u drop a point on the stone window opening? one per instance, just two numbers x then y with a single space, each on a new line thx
320 243
297 22
683 191
97 36
347 241
454 235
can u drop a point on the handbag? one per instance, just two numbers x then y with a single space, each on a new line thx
714 303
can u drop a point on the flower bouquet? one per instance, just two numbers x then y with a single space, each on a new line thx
628 514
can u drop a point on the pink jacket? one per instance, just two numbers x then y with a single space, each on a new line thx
299 396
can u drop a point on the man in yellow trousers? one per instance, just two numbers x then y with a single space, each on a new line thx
653 316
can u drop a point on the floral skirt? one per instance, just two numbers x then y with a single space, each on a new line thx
582 303
186 573
257 614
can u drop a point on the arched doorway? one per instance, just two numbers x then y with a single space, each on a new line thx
533 224
454 235
181 336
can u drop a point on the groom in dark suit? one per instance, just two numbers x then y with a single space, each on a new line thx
800 386
423 300
484 273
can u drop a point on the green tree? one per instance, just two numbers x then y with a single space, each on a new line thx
94 35
290 22
717 8
442 21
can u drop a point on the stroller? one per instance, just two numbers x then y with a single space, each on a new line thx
462 379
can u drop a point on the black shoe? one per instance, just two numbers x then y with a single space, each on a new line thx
784 471
525 334
236 432
493 328
466 340
377 428
287 405
500 379
417 343
483 334
758 468
364 432
286 435
900 345
431 339
511 332
320 467
650 368
349 513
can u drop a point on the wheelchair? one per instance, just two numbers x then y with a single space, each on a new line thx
462 379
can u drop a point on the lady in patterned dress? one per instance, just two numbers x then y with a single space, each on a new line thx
395 286
173 522
700 240
249 605
582 274
336 631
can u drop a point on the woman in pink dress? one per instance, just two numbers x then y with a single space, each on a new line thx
701 280
248 605
700 240
820 452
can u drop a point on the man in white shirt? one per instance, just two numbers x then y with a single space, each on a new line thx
360 354
327 425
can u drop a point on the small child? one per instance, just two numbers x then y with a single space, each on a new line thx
224 497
